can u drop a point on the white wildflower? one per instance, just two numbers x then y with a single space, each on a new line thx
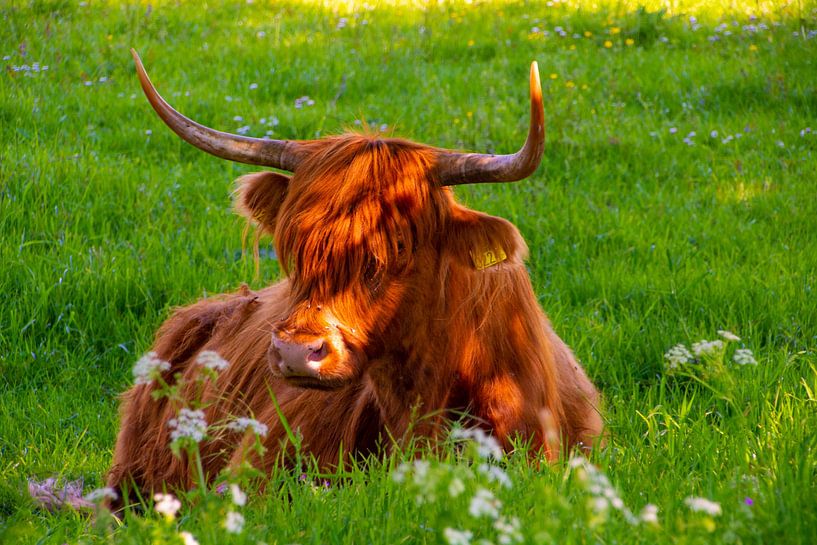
487 445
677 356
484 503
304 100
211 360
253 86
167 505
421 468
243 423
495 475
189 424
243 130
234 522
148 132
456 487
599 504
239 497
149 367
728 335
188 539
703 505
457 537
577 461
399 474
744 356
649 514
707 348
509 530
101 494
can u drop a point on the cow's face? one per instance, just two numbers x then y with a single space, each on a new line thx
348 226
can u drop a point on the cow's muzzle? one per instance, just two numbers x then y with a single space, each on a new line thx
300 359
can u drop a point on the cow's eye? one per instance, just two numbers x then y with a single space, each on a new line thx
373 276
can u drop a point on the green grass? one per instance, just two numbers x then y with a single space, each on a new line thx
638 241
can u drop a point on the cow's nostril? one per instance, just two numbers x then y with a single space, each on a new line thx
319 353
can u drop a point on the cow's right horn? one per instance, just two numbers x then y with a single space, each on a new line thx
281 154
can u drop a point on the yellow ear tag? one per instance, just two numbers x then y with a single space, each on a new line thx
488 258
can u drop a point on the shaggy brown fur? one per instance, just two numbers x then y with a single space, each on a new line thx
378 253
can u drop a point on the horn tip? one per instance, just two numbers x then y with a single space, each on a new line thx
535 82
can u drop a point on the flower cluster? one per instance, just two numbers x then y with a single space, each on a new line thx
188 539
28 70
484 504
703 505
300 102
148 368
486 445
679 358
101 494
744 356
243 423
211 360
189 424
468 485
234 522
706 348
603 496
167 505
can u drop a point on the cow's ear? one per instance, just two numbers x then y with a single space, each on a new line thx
258 197
483 242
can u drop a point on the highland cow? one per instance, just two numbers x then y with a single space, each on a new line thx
400 310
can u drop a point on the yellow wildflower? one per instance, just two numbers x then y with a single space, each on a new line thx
753 47
608 44
629 41
615 30
587 33
554 76
570 84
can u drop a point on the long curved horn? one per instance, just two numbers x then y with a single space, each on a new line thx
281 154
470 168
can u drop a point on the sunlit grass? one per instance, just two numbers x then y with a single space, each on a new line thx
642 234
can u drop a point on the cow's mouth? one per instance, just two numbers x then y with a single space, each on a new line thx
311 383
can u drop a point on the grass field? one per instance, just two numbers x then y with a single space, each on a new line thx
643 235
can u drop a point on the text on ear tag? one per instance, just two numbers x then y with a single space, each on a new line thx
488 258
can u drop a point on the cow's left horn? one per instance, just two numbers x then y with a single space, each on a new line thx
470 168
282 154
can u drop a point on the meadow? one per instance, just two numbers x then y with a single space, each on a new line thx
677 198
